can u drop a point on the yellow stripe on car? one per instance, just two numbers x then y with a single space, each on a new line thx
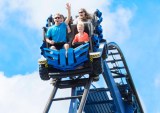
94 55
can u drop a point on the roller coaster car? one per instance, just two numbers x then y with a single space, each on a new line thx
84 59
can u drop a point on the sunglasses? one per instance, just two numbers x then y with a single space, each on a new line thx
56 17
81 12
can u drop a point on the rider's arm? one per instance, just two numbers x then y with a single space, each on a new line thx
68 7
49 41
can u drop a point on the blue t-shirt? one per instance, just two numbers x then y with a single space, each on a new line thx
57 33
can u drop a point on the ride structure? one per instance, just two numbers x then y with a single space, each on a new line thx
96 59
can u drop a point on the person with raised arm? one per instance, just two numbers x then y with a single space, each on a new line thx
57 32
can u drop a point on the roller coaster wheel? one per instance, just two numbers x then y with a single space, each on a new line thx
95 77
97 66
43 72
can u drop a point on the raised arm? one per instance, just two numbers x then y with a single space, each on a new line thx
68 7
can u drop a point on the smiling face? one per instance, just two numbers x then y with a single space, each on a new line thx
80 27
57 18
81 14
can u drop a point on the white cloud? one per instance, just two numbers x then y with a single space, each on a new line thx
115 24
27 94
38 10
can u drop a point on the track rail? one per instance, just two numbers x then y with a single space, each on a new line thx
119 69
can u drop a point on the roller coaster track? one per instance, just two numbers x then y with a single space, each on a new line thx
119 69
118 96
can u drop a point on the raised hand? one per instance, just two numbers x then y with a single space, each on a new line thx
68 6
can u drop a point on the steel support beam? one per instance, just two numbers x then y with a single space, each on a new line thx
48 105
73 103
85 95
113 88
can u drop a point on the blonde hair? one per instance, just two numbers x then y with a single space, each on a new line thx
80 23
58 14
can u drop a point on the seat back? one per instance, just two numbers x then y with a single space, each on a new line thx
88 28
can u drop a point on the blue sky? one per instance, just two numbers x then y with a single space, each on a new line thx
133 25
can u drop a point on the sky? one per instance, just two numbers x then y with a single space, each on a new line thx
133 25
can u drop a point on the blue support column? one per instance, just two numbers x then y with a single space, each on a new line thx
73 103
120 108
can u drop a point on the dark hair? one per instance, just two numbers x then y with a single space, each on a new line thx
62 16
70 21
87 15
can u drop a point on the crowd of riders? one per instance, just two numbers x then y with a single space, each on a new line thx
58 31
